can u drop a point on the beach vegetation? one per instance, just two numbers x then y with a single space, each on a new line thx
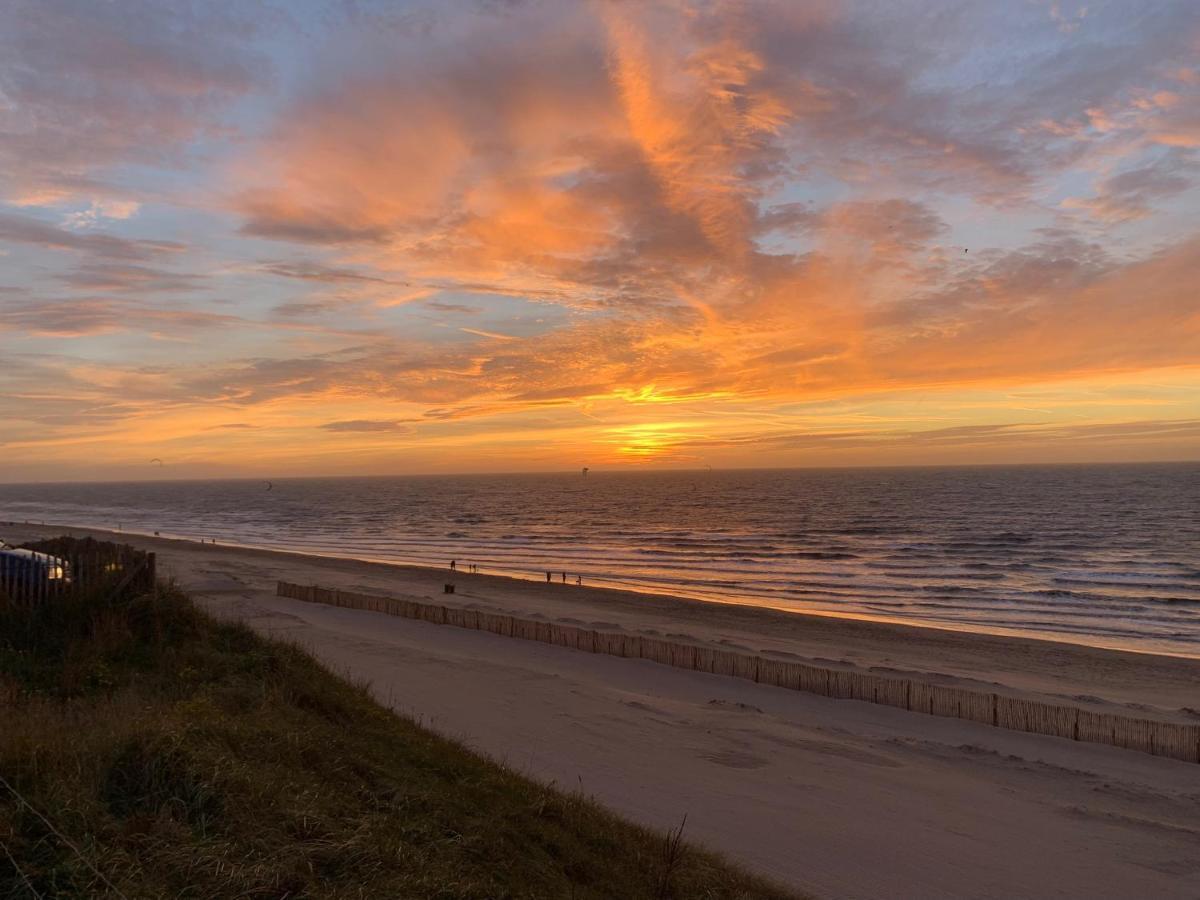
150 750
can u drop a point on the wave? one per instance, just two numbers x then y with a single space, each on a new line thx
1128 575
1131 582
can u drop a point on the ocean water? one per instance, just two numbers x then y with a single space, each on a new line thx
1101 555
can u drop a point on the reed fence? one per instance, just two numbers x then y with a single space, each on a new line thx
1169 739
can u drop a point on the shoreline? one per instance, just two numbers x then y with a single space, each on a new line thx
1154 685
616 585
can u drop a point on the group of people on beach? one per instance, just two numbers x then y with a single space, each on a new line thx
473 569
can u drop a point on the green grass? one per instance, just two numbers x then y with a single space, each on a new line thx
160 753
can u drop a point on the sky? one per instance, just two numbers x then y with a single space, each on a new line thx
243 239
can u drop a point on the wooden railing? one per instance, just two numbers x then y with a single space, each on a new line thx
62 568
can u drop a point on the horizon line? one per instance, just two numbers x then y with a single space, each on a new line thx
592 471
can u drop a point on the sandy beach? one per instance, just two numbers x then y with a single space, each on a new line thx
845 799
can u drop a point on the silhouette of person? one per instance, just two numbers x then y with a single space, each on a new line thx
579 579
547 576
453 564
564 575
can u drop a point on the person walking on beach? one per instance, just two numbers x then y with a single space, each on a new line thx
547 578
579 579
564 575
453 564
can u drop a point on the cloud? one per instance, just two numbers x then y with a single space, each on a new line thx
391 426
1057 309
1053 309
306 271
651 167
21 229
268 217
1179 124
123 278
1068 22
85 317
490 335
991 436
1131 194
90 86
457 308
888 230
101 209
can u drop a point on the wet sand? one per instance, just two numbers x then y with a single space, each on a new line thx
841 798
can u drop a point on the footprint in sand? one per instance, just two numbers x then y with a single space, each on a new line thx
732 705
735 759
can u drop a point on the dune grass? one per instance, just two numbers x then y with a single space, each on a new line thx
148 750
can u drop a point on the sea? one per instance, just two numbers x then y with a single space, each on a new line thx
1104 555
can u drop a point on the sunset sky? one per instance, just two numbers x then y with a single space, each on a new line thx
359 238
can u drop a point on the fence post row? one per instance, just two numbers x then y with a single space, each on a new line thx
1169 739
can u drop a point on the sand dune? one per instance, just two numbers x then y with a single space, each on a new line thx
842 798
